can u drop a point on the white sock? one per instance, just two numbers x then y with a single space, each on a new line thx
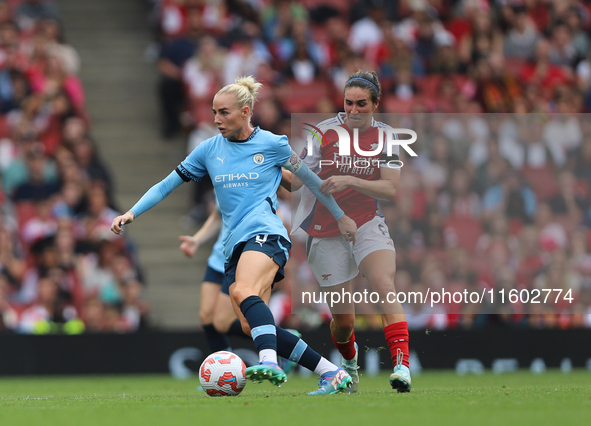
324 366
268 355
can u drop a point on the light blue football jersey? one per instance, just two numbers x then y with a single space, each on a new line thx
245 176
217 259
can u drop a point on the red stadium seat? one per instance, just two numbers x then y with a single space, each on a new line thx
463 230
298 98
542 181
396 105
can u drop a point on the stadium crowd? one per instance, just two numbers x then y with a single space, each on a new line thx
493 201
61 269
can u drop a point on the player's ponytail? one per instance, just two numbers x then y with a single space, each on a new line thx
366 80
245 89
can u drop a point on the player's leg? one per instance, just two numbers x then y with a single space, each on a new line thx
210 290
379 268
254 274
332 378
256 264
225 320
342 330
333 265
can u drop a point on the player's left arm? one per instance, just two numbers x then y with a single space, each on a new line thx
382 189
287 179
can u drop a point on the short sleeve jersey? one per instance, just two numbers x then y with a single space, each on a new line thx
360 207
245 176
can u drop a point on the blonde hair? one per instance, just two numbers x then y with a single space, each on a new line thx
245 90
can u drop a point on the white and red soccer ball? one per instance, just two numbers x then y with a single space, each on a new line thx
222 374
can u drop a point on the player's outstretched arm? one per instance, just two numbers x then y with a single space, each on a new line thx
346 225
190 244
152 197
119 221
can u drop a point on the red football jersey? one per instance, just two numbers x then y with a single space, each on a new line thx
359 207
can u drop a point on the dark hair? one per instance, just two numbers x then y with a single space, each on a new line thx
366 80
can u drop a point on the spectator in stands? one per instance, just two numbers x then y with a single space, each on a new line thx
562 133
8 315
302 66
202 77
17 172
530 261
172 57
559 274
43 257
96 221
484 40
42 224
521 38
30 11
12 263
446 59
366 32
92 166
562 51
458 199
568 201
135 309
96 274
552 234
435 165
246 54
37 186
48 310
511 197
498 232
536 154
279 16
582 162
14 86
542 72
51 31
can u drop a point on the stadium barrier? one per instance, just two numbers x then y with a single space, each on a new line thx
180 353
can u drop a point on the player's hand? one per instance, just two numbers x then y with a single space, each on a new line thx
348 228
119 221
189 245
335 184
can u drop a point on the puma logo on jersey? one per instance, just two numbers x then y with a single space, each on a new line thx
325 277
374 146
221 159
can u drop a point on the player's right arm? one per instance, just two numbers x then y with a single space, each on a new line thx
190 244
151 198
192 168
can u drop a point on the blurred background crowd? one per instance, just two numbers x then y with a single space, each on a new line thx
61 269
492 200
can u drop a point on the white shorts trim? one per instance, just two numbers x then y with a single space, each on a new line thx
334 260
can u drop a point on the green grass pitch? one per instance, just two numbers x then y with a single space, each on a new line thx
437 398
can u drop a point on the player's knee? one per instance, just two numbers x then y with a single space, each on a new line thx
344 323
221 324
240 293
384 284
206 316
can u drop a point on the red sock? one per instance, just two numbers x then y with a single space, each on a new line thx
347 350
397 338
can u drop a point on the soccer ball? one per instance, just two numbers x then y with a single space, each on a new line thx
222 374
